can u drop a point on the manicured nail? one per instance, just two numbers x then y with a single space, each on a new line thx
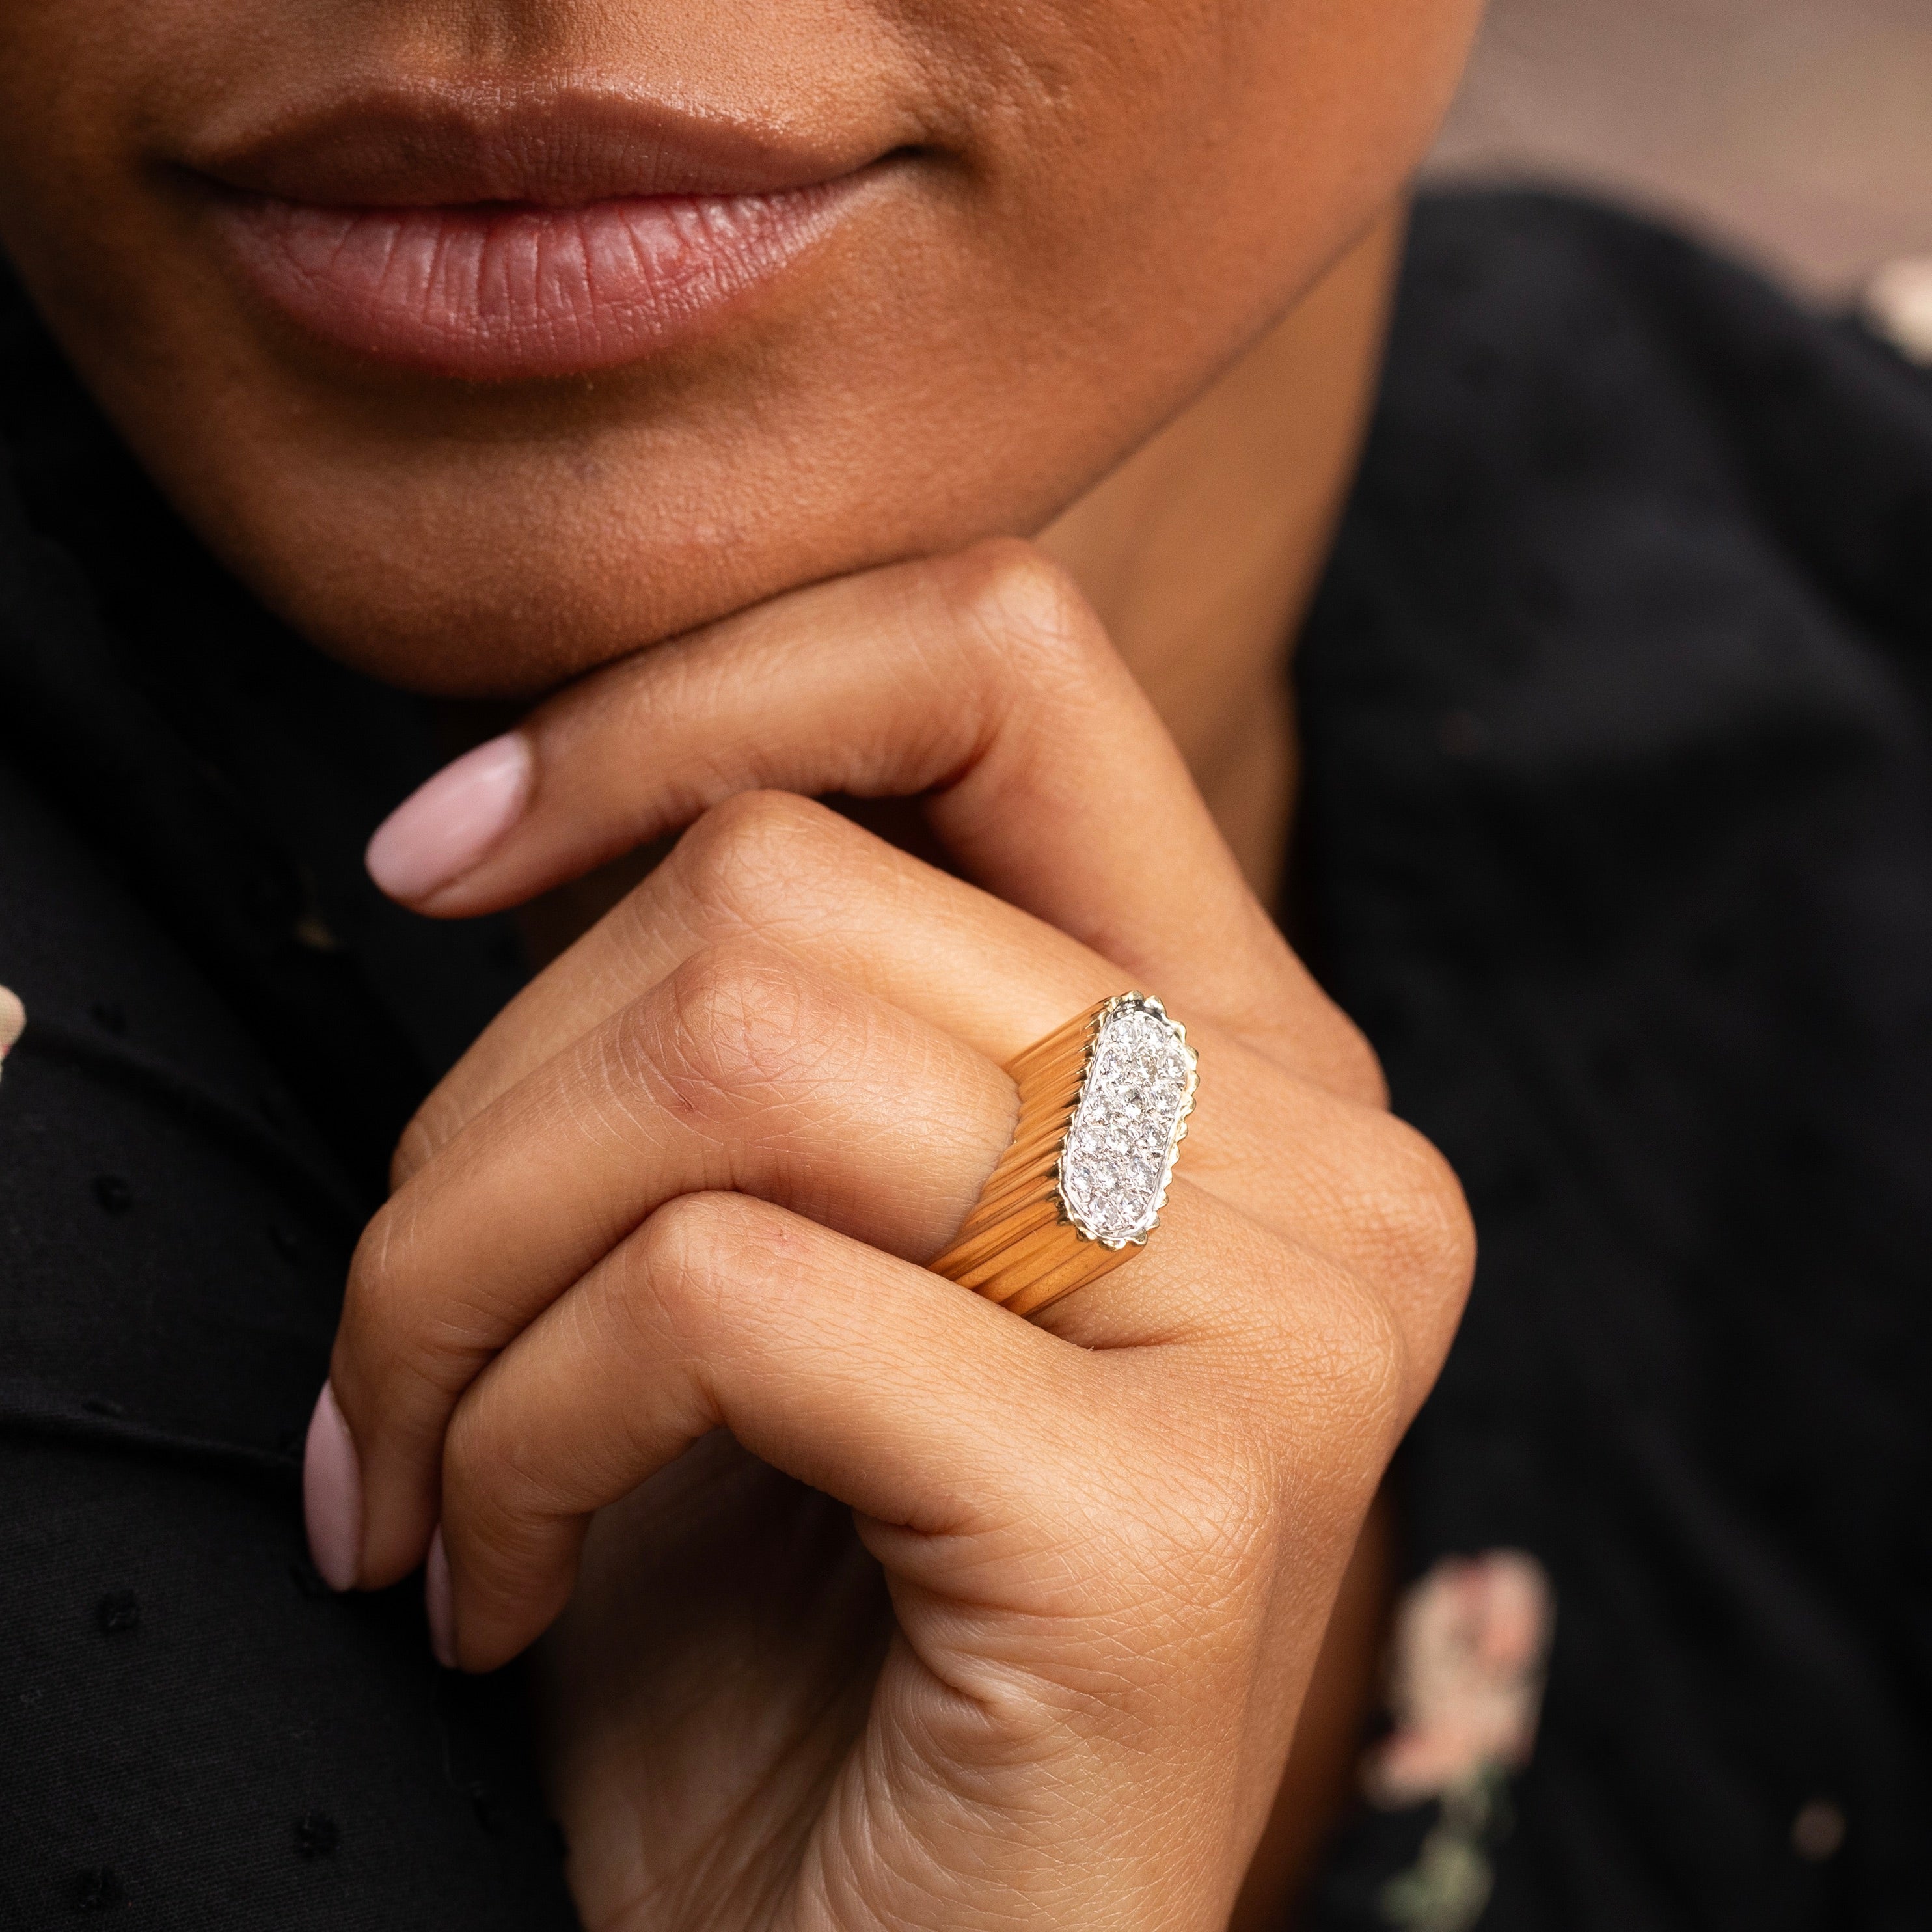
436 1602
444 827
332 1494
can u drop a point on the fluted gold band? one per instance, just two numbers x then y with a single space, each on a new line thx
1021 1246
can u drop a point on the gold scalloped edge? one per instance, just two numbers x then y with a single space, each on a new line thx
1021 1246
1146 1003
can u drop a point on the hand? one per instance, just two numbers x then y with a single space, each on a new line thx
895 1609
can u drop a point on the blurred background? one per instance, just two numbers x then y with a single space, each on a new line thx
1796 133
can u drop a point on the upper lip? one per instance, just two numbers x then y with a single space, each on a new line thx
562 147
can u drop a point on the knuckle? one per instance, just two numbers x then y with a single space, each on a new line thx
389 1346
1028 608
679 1255
498 1492
1426 1234
376 1299
1371 1355
728 1030
744 854
685 1270
406 1338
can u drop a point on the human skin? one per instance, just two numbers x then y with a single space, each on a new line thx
976 1620
1098 207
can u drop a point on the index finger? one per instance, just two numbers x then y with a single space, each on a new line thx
982 683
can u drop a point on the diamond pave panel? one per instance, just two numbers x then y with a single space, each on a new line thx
1119 1151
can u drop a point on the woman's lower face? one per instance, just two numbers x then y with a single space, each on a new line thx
491 341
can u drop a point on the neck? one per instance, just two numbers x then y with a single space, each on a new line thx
1201 552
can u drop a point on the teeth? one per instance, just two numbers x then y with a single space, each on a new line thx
1119 1149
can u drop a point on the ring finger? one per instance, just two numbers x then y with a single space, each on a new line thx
1316 1166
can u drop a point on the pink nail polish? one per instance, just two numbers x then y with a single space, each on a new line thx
437 1603
444 827
332 1494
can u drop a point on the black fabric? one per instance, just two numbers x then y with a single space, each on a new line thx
1616 840
1618 843
228 1027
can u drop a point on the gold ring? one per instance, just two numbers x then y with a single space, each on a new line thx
1104 1103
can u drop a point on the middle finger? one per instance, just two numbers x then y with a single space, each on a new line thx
739 1072
1288 1152
812 882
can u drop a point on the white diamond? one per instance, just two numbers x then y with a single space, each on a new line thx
1119 1148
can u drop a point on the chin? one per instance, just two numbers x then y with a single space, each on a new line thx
485 369
510 622
506 587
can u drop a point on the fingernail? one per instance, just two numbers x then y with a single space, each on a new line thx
437 1604
12 1020
444 827
332 1494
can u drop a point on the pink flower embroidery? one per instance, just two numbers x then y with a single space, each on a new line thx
1466 1675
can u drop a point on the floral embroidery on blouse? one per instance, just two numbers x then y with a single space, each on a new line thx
1466 1689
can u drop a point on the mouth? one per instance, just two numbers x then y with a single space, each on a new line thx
498 240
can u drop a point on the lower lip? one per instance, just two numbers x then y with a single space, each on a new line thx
491 293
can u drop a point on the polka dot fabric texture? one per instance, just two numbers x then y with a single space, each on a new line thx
194 1733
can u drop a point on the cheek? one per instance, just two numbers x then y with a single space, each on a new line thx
1207 159
1119 197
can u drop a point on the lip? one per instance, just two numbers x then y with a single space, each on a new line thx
492 240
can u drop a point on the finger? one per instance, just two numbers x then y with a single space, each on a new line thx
1332 1172
982 683
1329 1172
839 899
737 1071
848 904
937 1416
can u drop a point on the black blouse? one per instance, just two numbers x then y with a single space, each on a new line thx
1617 838
1618 844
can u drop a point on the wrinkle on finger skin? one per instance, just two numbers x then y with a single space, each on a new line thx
980 681
742 1071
